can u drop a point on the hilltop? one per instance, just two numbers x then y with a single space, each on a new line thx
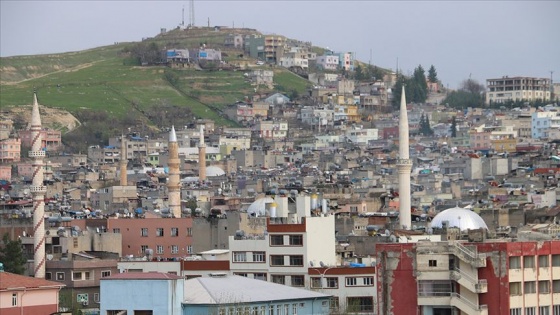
100 80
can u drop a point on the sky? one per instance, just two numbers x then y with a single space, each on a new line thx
462 39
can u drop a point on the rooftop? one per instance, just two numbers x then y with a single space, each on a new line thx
11 281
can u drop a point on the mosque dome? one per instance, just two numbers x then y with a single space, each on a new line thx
464 219
258 207
212 171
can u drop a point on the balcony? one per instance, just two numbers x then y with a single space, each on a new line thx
469 282
452 299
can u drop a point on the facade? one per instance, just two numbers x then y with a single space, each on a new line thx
498 277
142 293
51 139
517 89
26 295
10 150
275 130
542 123
328 62
168 238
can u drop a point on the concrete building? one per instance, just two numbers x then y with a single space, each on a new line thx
50 139
542 123
517 89
26 295
10 150
492 277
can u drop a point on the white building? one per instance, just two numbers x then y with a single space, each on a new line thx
517 89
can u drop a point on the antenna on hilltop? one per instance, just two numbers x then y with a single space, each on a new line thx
183 17
191 14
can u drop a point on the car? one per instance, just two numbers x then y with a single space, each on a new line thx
260 63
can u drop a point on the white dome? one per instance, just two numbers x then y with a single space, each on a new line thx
212 171
459 217
259 206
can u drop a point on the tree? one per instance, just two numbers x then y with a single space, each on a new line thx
11 255
469 94
432 74
453 127
420 79
397 90
358 73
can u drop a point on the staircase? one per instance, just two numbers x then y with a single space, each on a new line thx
466 306
469 282
468 255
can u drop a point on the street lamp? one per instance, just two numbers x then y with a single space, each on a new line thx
322 272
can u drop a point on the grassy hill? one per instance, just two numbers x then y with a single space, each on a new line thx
98 79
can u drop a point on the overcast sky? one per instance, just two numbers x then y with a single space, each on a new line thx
481 39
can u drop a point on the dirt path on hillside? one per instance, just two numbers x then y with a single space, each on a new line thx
71 69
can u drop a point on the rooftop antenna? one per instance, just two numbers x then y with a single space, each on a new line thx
191 14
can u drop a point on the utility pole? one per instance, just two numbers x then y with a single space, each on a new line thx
551 87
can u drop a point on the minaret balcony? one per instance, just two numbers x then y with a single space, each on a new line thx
38 189
404 162
37 154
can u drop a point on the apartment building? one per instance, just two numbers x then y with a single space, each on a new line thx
10 150
268 129
543 123
517 89
491 277
51 139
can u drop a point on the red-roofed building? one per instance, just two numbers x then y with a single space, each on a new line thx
27 295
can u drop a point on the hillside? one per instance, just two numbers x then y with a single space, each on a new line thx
98 79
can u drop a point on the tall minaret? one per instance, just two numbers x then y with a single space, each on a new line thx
201 156
174 183
38 191
123 162
404 165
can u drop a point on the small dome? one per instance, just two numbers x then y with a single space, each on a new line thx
212 171
462 218
258 207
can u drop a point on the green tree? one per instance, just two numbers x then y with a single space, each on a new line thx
469 94
11 255
397 90
421 87
432 74
358 73
453 127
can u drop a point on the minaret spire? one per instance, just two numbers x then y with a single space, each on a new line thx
174 183
404 165
38 191
201 156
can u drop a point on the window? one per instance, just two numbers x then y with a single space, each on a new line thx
48 276
189 249
316 283
529 262
276 260
296 240
544 310
159 249
159 232
331 282
174 232
543 261
556 260
81 275
189 231
556 286
432 263
117 230
279 279
260 276
239 256
360 304
368 281
105 273
241 274
334 304
351 281
515 311
60 276
515 262
298 280
144 232
529 287
544 287
294 309
276 240
96 297
271 310
14 299
174 249
143 248
515 288
259 257
530 311
296 260
556 309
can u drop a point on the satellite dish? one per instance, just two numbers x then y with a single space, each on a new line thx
311 263
322 264
49 256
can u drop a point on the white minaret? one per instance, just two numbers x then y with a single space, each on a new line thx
404 165
174 183
201 156
38 191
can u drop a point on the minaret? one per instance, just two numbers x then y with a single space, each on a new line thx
404 165
201 156
38 191
123 162
174 183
